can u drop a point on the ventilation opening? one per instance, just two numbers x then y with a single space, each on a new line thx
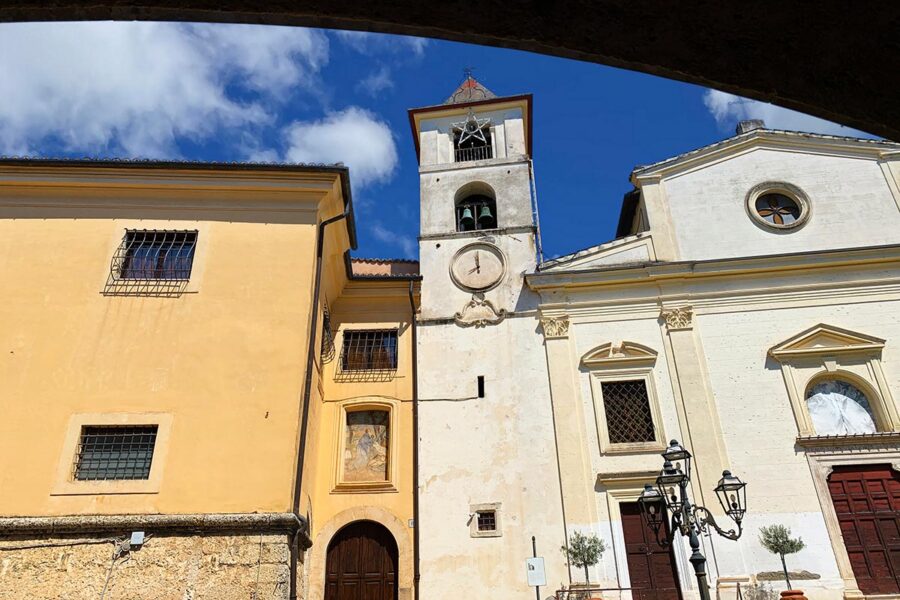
481 386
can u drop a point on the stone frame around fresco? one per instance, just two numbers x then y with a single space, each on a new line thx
365 487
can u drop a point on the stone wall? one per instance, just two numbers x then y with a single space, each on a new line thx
166 567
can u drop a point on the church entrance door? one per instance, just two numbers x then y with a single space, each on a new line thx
361 563
867 502
651 566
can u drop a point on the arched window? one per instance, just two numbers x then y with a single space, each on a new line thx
838 407
475 212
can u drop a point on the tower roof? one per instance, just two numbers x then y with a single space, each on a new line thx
470 90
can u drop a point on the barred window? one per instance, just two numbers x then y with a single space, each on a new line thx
487 520
628 415
154 254
111 452
369 350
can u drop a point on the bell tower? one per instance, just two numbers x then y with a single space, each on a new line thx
487 478
477 233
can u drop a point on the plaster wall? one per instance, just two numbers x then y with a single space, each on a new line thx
759 425
364 305
496 449
506 179
851 205
507 133
222 362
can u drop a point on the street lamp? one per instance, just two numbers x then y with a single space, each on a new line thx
689 519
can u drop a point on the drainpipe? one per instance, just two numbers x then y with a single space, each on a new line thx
307 387
415 448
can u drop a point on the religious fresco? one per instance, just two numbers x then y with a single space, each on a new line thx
365 448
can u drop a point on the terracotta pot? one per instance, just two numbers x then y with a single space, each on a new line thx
793 595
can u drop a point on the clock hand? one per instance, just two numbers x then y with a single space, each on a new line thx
477 263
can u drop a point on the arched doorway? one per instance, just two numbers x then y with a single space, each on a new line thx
361 563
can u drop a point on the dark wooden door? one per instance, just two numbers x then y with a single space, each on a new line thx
867 502
361 564
651 565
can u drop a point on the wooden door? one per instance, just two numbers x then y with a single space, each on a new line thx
361 564
651 565
867 502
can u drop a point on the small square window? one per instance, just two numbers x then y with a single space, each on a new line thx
629 418
155 255
114 452
484 520
487 520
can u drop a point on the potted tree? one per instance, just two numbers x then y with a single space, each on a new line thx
777 540
584 551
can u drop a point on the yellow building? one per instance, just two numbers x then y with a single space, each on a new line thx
171 427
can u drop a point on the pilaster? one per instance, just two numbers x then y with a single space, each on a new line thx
576 478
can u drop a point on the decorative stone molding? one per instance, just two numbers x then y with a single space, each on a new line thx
678 318
95 524
555 327
860 441
619 353
479 312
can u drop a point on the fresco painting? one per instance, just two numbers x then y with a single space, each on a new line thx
365 454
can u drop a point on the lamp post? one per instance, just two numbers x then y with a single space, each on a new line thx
688 519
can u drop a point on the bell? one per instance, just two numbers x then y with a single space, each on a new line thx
466 220
485 217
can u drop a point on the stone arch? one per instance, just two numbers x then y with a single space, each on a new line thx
398 529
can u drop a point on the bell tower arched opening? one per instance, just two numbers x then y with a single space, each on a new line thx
476 207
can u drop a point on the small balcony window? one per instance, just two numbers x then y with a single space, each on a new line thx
472 139
369 354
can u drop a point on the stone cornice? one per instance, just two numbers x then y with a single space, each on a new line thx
287 523
654 273
888 438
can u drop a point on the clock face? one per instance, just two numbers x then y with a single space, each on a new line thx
478 266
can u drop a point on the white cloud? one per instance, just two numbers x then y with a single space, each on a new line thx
376 82
406 243
134 89
368 43
353 136
728 109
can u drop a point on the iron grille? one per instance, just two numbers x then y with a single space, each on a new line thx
154 254
371 352
487 520
628 416
327 336
114 452
474 153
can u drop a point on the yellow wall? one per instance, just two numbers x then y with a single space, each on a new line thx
365 305
223 361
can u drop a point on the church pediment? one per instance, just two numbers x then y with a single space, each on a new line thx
634 249
827 339
619 353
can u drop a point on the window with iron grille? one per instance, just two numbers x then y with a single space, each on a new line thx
629 418
155 254
369 350
487 520
109 452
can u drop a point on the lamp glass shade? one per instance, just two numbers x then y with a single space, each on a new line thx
652 507
732 495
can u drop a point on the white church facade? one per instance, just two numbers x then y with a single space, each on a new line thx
749 308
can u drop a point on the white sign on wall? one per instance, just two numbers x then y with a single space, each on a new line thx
534 571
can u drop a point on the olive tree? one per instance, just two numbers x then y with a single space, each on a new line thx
584 551
777 540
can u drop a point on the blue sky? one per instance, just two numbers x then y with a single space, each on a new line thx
237 93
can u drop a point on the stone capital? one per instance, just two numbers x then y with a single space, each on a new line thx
681 317
555 327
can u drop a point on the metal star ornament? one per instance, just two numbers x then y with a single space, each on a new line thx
472 129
